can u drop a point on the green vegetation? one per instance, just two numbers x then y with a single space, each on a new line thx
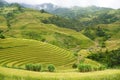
74 66
33 67
88 67
18 24
111 58
1 35
36 43
88 16
84 67
51 68
16 53
5 74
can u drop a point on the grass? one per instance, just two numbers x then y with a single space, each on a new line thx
14 74
18 52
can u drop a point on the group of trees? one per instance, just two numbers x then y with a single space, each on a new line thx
34 35
92 33
82 67
38 67
33 67
78 18
64 22
110 59
105 18
87 67
98 34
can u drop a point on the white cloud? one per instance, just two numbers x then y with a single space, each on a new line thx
68 3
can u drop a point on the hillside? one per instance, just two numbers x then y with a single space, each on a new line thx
27 23
48 42
87 16
16 53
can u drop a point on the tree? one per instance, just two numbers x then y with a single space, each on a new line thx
74 65
1 31
51 68
100 32
111 58
2 36
43 11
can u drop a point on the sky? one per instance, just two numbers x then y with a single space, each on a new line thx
69 3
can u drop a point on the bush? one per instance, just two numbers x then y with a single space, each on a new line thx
88 67
51 68
102 67
2 36
28 67
74 65
33 67
84 67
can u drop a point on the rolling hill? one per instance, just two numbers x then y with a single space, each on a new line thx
16 53
27 23
69 42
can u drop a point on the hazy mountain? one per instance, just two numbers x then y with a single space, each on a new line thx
72 12
3 3
46 6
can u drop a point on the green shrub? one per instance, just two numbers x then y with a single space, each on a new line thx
95 68
2 36
33 67
88 67
51 68
74 65
38 67
28 67
1 47
102 67
84 67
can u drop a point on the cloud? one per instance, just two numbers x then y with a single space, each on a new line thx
69 3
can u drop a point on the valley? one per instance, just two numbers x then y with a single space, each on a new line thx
55 43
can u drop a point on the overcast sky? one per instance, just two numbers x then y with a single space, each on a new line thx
68 3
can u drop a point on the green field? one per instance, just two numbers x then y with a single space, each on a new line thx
18 52
13 74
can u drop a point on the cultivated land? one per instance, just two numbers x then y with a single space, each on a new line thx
18 52
28 24
29 40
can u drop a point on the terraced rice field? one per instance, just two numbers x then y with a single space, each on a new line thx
18 52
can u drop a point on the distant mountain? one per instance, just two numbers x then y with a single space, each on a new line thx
72 12
46 6
76 11
27 5
77 17
3 3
